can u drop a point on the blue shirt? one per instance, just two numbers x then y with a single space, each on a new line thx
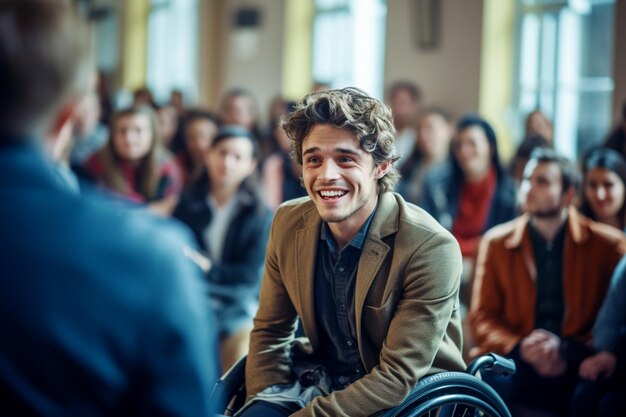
335 278
610 324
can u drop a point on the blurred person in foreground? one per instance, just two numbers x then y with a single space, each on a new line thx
101 312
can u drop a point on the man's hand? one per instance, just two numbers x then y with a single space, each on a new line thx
541 349
600 365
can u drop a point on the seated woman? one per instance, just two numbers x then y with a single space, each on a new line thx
434 133
472 192
200 127
231 224
281 174
604 187
134 166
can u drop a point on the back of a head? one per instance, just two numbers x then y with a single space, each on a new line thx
43 60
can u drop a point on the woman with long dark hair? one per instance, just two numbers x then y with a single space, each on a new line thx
472 192
604 187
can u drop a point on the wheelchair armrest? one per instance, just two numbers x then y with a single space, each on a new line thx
492 362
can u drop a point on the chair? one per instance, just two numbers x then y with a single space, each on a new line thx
446 394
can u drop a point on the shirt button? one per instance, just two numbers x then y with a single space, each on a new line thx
341 268
349 343
343 379
358 371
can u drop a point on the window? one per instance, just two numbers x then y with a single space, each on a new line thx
172 47
565 68
349 42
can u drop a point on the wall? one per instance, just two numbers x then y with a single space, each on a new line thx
449 76
619 59
224 66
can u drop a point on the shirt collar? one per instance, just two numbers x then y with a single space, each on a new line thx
357 241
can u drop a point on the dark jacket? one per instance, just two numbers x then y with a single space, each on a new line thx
101 314
234 281
407 311
442 191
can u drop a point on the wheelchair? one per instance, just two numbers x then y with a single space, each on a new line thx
445 394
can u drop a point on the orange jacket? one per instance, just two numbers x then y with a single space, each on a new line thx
502 310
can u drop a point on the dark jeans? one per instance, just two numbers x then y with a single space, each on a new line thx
528 389
265 409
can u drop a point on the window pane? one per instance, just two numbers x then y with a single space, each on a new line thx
571 42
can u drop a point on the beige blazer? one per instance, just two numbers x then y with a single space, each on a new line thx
407 306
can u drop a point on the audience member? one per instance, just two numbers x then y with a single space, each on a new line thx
177 100
404 99
167 124
522 155
143 97
231 225
434 133
604 187
602 388
105 97
351 253
239 108
538 124
277 108
281 175
201 127
472 192
134 165
101 312
319 86
540 280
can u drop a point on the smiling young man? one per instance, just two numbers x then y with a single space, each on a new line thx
373 279
540 280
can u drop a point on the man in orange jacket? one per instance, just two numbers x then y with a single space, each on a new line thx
540 280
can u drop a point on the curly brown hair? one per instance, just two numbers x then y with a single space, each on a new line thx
353 110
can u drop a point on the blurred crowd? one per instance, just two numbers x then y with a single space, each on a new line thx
223 172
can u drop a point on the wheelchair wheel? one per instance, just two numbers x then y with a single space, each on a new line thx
451 394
